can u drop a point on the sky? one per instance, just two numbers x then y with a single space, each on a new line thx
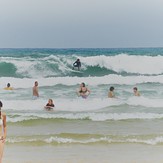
81 23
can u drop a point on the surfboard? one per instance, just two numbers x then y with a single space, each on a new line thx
77 71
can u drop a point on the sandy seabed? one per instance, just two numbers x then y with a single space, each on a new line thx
113 153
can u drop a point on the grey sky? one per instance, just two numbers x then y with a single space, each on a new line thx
81 23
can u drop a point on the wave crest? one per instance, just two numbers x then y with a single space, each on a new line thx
54 140
61 65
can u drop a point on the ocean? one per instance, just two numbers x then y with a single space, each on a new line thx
96 120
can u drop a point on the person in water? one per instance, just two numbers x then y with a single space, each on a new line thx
3 131
35 90
8 87
50 105
83 91
136 92
77 64
111 93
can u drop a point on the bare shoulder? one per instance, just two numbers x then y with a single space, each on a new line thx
4 115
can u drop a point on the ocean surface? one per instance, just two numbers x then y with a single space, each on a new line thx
95 120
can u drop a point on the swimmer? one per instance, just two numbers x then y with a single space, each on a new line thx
50 105
111 93
8 87
83 91
35 90
136 92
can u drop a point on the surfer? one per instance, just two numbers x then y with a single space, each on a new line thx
136 92
77 64
35 90
83 91
111 93
8 87
50 105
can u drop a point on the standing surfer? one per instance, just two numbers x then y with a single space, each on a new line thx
77 64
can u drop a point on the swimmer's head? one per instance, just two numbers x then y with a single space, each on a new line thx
36 83
83 84
8 84
135 89
111 88
50 101
78 59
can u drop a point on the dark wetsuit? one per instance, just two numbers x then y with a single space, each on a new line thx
77 64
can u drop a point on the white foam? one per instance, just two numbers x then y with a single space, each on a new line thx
75 105
60 140
146 102
70 81
81 116
81 105
154 141
127 63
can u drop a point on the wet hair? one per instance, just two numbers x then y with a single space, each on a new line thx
78 59
1 105
8 84
135 88
111 88
51 100
36 82
83 84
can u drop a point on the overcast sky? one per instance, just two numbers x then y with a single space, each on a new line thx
81 23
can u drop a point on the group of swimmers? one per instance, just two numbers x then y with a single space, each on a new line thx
112 95
50 105
82 91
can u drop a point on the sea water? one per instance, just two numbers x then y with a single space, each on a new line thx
95 120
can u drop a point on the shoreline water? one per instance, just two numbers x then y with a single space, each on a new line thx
115 153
